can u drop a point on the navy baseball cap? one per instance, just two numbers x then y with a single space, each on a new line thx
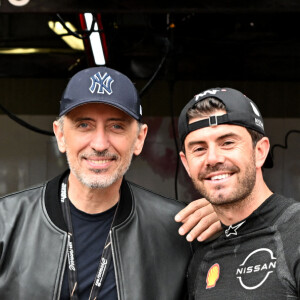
101 85
240 111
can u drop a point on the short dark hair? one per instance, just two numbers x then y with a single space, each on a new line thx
211 105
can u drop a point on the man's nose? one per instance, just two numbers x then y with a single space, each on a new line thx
214 156
100 140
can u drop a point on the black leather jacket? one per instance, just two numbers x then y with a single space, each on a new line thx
149 256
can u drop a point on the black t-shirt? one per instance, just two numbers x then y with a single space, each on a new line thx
257 258
90 233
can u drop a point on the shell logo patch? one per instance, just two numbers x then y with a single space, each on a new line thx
212 276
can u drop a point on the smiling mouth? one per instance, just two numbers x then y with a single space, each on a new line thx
99 158
219 177
100 161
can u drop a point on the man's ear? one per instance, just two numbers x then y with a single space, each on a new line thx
140 139
59 137
262 149
184 162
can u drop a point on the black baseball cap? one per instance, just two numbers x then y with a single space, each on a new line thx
101 85
240 111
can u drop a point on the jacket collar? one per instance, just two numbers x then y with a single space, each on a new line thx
54 210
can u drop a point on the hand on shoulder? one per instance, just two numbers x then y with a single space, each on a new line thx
199 221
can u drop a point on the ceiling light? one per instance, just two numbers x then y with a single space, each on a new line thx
16 51
74 42
95 39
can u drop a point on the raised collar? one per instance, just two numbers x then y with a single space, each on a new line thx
264 216
53 205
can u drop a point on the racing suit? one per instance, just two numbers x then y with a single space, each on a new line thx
257 258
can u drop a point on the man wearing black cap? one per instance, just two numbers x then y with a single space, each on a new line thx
89 233
224 148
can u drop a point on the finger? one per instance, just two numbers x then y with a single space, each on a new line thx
211 232
201 227
190 209
198 218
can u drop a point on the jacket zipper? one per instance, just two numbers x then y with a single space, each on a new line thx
114 262
63 271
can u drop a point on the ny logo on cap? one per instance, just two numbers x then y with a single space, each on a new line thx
103 82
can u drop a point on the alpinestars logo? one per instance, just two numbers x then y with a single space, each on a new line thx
232 230
102 82
256 268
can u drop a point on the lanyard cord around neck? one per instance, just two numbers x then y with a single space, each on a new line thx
72 270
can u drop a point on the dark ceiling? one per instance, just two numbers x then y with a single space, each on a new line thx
211 40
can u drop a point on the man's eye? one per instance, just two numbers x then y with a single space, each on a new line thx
228 143
199 149
117 126
83 125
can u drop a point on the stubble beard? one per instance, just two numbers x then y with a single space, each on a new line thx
243 190
100 180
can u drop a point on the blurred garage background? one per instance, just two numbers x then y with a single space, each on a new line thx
171 50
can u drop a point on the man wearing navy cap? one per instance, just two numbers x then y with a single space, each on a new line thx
89 233
224 148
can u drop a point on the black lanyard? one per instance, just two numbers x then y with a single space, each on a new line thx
72 271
